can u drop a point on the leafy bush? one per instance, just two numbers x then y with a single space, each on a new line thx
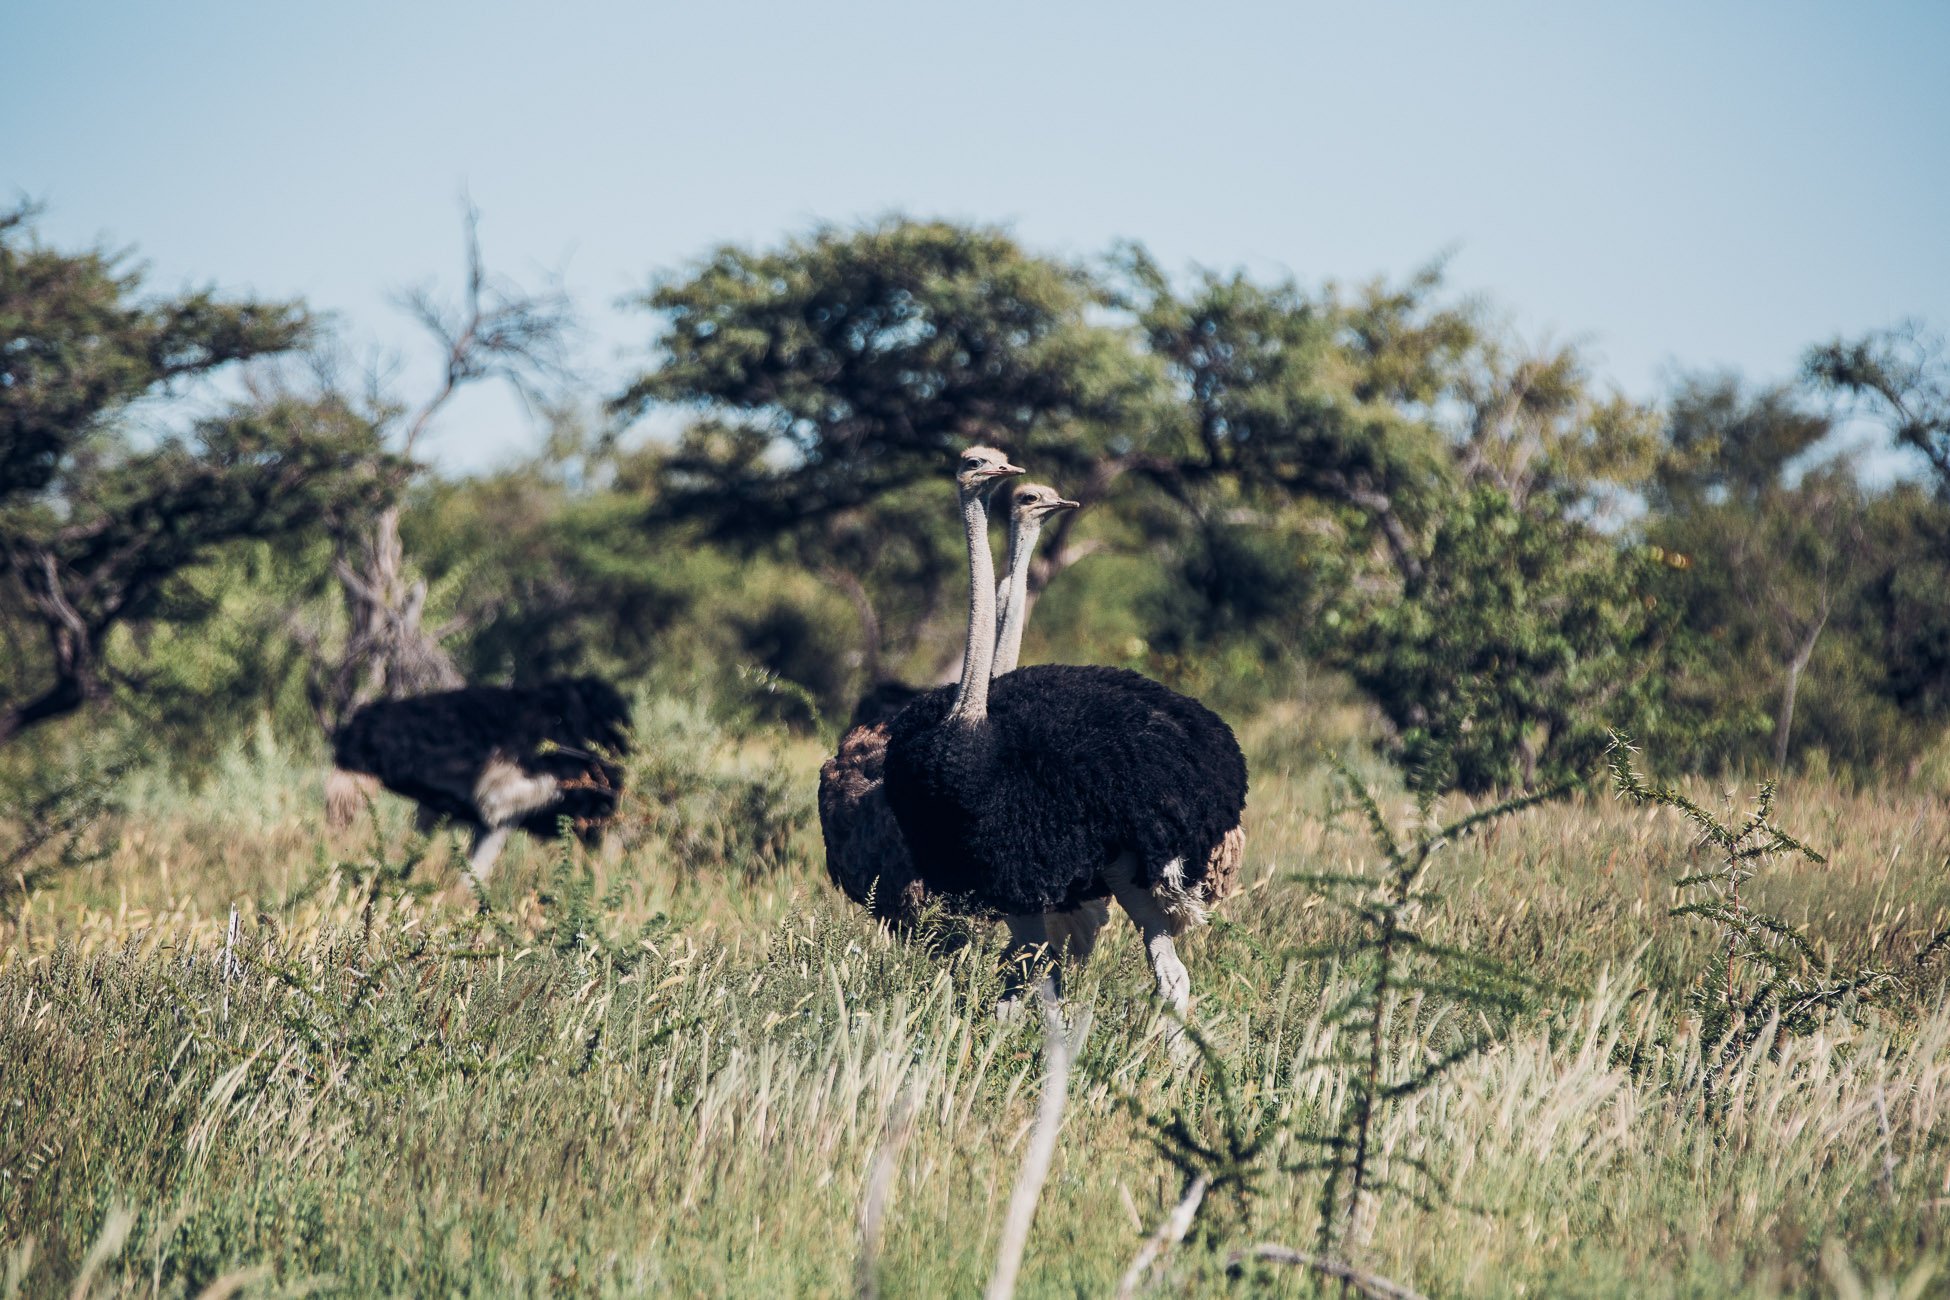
1528 638
690 792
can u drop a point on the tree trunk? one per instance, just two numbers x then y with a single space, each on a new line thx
1797 663
856 592
388 653
1380 507
71 645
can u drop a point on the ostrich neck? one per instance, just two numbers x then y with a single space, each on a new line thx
972 695
1015 600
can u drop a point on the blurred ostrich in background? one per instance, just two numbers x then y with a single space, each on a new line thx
498 758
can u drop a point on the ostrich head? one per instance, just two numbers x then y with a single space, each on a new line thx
1033 502
1029 505
980 468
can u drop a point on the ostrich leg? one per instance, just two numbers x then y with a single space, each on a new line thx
1155 924
481 858
1029 943
503 795
1064 937
1073 934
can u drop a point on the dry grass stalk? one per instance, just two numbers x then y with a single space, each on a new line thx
880 1185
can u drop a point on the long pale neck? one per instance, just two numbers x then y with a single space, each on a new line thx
1023 532
972 694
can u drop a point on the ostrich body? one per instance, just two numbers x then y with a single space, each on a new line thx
866 855
1062 786
500 758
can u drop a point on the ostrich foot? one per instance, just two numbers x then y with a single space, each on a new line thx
1025 971
1042 994
480 862
1174 981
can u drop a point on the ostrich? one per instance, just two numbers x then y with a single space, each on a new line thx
500 758
1064 785
865 854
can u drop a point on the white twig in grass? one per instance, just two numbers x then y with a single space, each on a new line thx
880 1182
1367 1283
1057 1048
1169 1234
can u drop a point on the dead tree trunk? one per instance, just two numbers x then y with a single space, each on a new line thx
74 644
389 653
1797 663
497 333
856 592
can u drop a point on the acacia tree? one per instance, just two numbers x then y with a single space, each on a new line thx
93 528
1903 374
1532 428
1525 631
1283 396
1530 635
833 377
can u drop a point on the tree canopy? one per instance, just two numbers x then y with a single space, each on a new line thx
1377 485
94 526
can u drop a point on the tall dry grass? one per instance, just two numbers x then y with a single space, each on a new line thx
677 1064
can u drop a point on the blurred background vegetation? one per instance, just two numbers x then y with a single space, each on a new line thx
213 526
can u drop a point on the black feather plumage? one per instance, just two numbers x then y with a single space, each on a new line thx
1078 765
433 748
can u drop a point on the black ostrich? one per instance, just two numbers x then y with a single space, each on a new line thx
865 853
499 758
1063 785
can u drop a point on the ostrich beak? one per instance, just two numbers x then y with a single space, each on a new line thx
1064 503
1004 470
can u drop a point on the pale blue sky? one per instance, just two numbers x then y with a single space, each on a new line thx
1673 184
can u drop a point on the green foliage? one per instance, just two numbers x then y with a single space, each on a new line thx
705 807
1812 605
53 815
1281 479
1229 1154
1289 394
1725 445
1392 960
868 356
837 374
81 344
1535 428
1765 979
1903 375
1904 619
1529 636
95 530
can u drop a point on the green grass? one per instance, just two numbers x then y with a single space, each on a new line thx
668 1065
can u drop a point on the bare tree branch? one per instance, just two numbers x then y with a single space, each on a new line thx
1368 1283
